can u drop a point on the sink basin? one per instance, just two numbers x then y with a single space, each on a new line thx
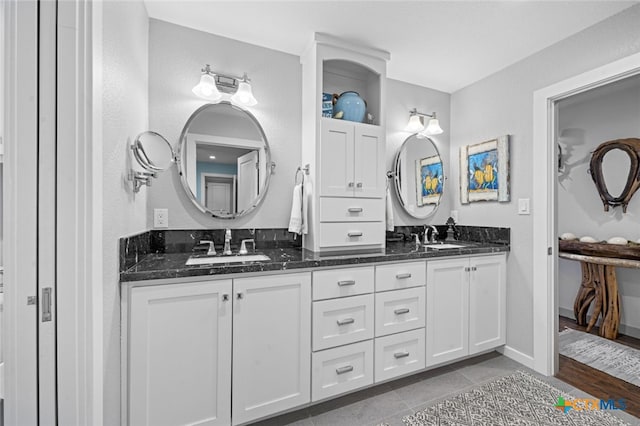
443 246
211 260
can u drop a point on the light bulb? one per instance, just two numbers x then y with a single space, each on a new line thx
206 88
244 95
415 124
434 127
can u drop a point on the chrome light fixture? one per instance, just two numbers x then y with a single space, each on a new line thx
416 125
214 86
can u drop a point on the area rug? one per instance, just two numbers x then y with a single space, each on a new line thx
602 354
517 399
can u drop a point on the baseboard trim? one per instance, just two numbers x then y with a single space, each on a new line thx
627 330
516 355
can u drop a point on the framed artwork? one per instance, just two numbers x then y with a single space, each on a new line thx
428 180
484 171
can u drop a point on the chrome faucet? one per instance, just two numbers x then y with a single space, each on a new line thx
434 234
243 246
227 243
211 251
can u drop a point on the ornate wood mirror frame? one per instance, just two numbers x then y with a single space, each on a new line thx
631 147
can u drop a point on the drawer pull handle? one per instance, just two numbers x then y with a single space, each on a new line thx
346 282
401 311
355 234
345 369
355 209
403 276
346 321
399 355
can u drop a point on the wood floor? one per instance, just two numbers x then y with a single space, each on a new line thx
595 382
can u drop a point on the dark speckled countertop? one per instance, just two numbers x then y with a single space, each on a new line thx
154 266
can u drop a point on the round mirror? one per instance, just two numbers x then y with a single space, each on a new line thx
224 160
152 151
419 176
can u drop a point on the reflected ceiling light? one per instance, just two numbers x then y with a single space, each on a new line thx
213 86
415 124
212 157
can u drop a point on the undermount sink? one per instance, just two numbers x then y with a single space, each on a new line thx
211 260
442 246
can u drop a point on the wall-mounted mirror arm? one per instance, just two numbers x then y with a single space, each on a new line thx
153 153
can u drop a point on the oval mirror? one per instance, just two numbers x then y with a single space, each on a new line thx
419 176
152 151
224 160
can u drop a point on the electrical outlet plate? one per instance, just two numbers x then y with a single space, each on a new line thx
160 218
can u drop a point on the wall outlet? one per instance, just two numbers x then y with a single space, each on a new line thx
523 206
160 218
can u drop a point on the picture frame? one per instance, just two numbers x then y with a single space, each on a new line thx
484 171
429 180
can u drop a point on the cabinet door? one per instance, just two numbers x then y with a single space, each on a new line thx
271 345
447 310
487 303
180 354
369 151
336 159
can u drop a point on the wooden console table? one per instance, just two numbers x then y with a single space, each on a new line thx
599 286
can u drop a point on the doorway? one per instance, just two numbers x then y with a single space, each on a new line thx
545 246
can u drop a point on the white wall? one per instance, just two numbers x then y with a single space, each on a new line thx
401 98
176 55
125 114
585 121
503 104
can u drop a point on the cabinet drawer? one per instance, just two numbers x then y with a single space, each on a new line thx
342 369
399 354
342 321
400 310
351 209
401 275
342 282
350 234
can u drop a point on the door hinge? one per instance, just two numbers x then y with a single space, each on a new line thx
549 251
46 304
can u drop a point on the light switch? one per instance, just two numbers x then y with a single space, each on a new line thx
523 206
160 218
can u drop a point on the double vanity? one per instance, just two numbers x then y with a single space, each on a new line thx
231 343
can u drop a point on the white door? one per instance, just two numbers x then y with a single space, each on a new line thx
218 197
447 310
336 159
271 345
369 154
180 354
487 303
247 180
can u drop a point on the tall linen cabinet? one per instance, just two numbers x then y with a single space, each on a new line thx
346 180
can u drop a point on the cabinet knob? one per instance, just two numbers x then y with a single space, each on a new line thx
225 297
240 295
473 268
359 185
350 185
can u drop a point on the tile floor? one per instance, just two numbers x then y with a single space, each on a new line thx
389 402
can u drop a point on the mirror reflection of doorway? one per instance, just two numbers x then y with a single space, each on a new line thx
248 175
219 193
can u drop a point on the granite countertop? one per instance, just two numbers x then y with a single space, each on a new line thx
172 265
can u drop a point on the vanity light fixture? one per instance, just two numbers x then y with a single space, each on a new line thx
213 86
416 125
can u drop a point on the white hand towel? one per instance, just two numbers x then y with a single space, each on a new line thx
389 210
306 193
295 222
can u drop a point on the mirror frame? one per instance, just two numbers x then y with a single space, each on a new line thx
396 178
183 178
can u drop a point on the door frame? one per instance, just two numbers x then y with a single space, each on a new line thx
545 236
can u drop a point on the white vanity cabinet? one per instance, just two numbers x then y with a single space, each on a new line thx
179 354
346 159
179 351
466 306
351 160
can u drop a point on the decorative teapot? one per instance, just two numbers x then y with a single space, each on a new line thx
349 106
